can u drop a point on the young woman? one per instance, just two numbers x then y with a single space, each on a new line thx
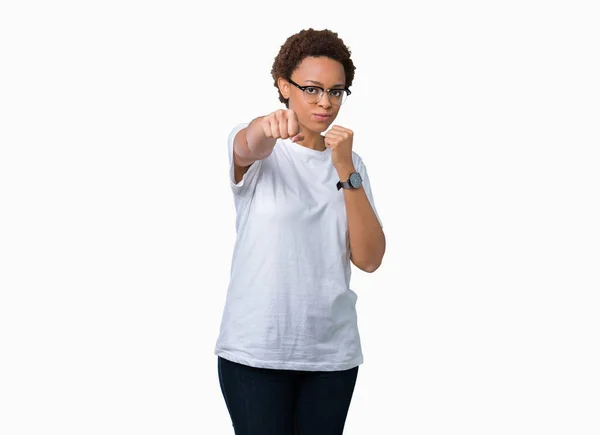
289 347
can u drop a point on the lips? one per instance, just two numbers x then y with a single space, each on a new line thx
321 116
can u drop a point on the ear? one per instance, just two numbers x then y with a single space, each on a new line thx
284 87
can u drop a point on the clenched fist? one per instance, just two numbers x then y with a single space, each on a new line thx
339 139
282 124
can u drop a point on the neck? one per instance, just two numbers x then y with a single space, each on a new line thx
312 140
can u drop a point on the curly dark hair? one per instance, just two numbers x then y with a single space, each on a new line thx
308 43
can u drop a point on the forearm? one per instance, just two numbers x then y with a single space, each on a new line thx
259 145
257 140
367 240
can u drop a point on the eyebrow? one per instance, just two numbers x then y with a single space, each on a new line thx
319 83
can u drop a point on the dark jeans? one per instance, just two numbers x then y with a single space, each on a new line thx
286 402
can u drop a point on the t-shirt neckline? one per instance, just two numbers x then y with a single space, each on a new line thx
308 151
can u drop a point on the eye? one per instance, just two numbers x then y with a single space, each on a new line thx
311 90
336 92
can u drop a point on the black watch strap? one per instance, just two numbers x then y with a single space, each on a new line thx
344 184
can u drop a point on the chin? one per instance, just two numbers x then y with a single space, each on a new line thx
320 127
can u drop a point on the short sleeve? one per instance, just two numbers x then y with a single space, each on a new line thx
248 181
362 170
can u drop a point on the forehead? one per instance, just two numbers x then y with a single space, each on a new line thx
322 69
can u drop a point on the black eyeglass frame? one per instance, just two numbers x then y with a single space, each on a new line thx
302 88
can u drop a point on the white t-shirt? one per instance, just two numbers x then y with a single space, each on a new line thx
289 304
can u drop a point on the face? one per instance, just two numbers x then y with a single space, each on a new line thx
317 71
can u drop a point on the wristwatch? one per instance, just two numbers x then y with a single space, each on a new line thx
354 182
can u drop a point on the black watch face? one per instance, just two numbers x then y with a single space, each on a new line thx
355 180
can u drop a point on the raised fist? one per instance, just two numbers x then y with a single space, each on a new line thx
282 124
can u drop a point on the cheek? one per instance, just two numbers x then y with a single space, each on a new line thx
302 109
299 106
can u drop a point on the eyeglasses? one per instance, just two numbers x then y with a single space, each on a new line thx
313 94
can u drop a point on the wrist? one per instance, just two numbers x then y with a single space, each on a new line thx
344 171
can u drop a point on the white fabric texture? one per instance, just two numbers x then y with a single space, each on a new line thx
289 304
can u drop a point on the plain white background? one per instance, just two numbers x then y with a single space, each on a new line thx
478 123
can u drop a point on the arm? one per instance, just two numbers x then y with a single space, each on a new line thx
256 142
249 145
367 240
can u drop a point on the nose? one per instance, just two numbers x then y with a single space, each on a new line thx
325 97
